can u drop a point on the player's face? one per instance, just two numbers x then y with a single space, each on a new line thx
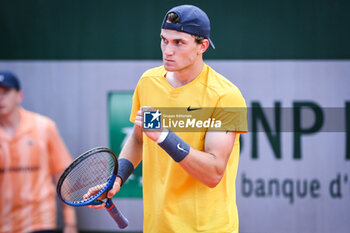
10 99
179 49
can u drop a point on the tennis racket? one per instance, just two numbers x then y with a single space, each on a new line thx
95 169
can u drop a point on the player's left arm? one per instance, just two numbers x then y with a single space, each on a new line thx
209 166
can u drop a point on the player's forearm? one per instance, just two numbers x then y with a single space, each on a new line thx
130 157
208 166
203 166
132 149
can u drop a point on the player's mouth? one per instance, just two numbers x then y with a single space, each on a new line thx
168 60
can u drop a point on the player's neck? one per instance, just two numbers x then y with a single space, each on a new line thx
9 123
182 77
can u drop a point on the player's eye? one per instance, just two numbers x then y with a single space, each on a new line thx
164 40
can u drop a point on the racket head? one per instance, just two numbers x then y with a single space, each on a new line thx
96 167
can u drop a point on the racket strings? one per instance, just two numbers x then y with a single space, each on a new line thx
91 173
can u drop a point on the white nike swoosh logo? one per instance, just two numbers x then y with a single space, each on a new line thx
178 147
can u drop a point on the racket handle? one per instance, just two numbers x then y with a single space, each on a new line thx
116 214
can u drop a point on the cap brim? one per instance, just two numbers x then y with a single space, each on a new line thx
8 85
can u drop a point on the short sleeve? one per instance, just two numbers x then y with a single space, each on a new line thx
231 110
59 156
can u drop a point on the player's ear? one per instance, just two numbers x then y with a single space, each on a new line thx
204 46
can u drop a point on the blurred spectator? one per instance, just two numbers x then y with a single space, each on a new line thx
32 155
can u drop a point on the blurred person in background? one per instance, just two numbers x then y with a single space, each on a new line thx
32 156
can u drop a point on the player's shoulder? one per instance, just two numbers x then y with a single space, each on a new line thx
227 92
155 72
220 84
151 76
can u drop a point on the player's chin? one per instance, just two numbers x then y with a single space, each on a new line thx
170 68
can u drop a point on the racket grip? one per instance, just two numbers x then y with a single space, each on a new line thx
116 214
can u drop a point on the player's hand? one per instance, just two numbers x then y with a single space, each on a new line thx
92 191
116 188
153 134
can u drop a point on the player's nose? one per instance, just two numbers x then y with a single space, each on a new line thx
168 50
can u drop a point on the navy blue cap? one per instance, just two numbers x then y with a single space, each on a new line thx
193 21
9 80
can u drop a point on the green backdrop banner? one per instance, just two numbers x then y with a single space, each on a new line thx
119 107
109 29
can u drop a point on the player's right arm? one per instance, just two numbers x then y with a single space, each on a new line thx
131 151
130 155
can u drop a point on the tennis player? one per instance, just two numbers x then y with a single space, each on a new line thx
188 177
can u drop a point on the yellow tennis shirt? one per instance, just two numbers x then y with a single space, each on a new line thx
173 200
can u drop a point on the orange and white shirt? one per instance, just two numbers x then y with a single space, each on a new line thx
28 162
